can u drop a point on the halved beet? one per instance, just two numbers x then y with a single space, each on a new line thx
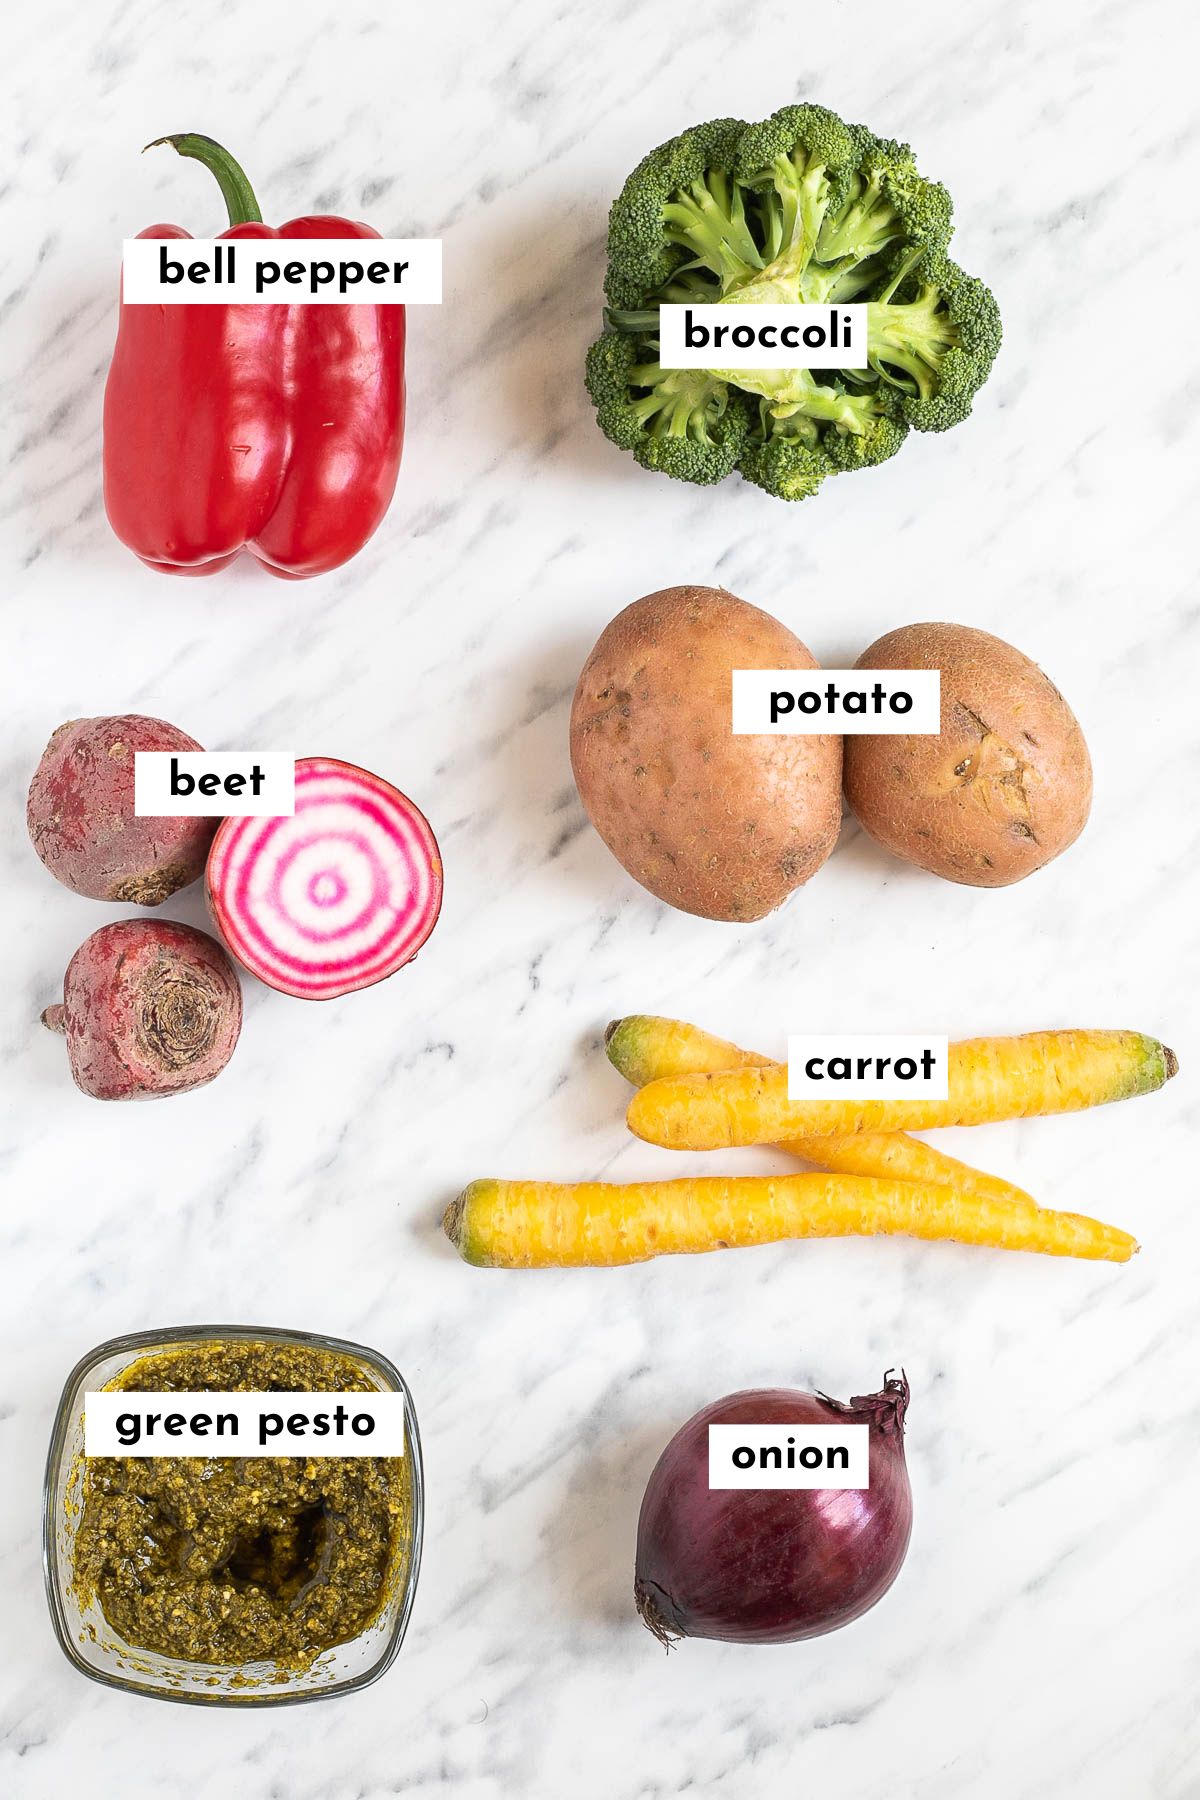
336 897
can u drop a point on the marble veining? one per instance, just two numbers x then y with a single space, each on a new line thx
1042 1639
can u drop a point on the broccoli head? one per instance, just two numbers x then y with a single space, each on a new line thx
800 209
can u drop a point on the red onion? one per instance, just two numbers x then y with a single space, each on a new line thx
335 898
771 1565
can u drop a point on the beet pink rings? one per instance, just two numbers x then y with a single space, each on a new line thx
336 897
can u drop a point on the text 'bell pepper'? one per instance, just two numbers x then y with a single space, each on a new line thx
274 428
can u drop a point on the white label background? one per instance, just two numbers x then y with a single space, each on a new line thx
888 1086
102 1408
674 353
753 688
153 799
723 1440
419 285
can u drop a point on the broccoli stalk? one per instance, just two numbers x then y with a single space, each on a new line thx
792 393
799 209
677 402
907 341
709 222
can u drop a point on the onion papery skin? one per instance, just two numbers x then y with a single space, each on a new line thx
772 1565
334 898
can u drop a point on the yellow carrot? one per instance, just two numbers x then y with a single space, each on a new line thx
543 1224
647 1048
990 1078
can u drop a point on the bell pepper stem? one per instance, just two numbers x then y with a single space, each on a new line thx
237 192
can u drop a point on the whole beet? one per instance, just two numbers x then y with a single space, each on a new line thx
81 818
149 1008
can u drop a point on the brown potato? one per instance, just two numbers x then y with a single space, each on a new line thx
1004 788
723 826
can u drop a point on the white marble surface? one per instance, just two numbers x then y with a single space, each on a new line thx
1042 1640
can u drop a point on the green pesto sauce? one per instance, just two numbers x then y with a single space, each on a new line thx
242 1559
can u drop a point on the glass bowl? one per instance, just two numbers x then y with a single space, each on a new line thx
89 1641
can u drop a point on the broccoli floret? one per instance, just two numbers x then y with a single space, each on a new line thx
922 208
801 208
936 347
681 421
789 455
846 452
692 173
791 468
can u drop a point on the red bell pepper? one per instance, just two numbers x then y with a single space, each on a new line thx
273 428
